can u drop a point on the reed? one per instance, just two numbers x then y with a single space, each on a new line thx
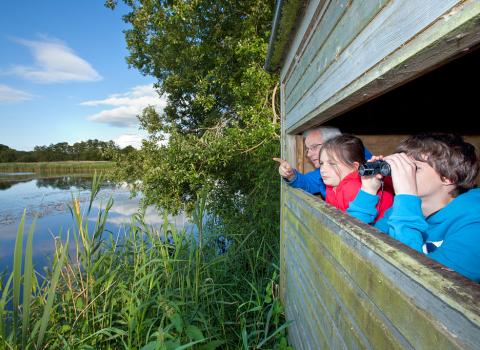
143 288
65 167
28 282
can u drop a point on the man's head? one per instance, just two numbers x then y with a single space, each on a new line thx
454 161
314 138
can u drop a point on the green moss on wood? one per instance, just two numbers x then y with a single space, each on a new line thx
320 259
288 17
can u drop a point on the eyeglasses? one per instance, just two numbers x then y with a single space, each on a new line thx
314 147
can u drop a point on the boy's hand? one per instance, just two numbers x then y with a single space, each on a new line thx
285 170
403 173
371 184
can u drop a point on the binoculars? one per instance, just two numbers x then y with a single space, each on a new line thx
373 168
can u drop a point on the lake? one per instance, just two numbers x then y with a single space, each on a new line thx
49 200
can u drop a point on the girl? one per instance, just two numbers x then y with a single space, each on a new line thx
339 161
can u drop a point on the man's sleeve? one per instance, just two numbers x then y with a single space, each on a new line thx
310 182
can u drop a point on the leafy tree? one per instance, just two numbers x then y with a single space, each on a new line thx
6 154
217 133
85 150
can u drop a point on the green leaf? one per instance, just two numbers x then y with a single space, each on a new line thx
27 283
17 270
194 333
3 302
79 303
212 345
172 344
153 345
51 294
65 328
177 322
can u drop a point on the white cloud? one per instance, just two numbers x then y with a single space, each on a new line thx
133 140
126 106
54 62
8 94
124 207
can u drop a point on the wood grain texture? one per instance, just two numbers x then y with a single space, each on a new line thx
402 42
366 290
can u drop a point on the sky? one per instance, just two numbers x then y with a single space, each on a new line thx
64 75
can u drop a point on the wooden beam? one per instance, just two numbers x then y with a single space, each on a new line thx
448 36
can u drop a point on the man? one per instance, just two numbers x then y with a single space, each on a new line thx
436 209
310 182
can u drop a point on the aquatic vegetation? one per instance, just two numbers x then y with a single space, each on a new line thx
55 168
135 289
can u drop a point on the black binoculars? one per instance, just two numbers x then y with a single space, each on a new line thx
373 168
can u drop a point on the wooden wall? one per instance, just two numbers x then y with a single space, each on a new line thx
347 52
347 286
344 284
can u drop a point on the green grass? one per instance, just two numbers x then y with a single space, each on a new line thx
135 290
66 167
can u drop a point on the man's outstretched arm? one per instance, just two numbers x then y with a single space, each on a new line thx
310 182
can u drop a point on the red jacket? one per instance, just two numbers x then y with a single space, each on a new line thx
348 188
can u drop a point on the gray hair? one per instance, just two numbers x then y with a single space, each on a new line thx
327 132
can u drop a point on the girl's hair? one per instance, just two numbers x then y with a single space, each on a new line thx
450 156
345 148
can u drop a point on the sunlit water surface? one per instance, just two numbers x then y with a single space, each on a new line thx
49 199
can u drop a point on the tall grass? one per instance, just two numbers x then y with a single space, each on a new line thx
142 288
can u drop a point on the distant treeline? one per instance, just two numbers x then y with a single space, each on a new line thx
85 150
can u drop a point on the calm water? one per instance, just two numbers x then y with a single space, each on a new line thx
48 199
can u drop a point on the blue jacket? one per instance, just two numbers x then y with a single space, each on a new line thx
450 236
312 182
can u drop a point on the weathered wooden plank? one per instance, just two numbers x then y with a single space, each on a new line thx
295 331
357 17
312 326
458 292
324 25
300 154
317 309
381 144
403 19
426 317
302 323
367 321
376 328
399 44
283 144
282 250
332 311
302 34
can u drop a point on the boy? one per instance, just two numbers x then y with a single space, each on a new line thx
436 209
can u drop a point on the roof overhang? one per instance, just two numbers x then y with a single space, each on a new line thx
287 14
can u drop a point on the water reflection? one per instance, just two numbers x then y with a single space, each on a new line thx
66 182
49 199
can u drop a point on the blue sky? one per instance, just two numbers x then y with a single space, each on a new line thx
64 76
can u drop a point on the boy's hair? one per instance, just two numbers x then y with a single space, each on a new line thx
346 149
450 156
